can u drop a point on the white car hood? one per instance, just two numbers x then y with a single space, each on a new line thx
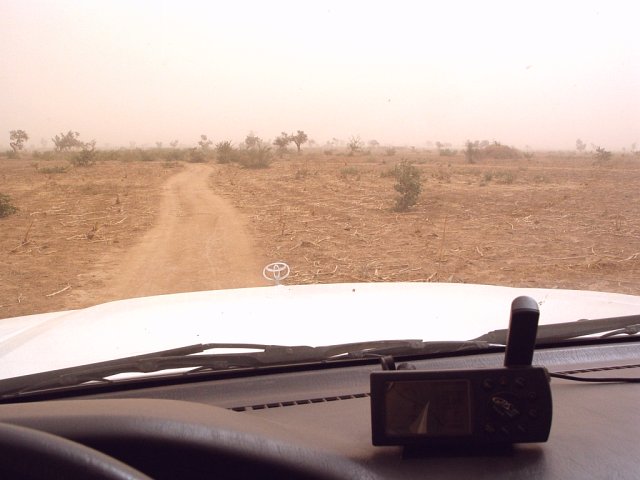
292 315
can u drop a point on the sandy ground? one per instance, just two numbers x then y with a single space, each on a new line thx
198 242
117 230
122 229
553 221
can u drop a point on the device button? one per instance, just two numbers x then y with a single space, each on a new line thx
521 428
504 381
533 413
504 407
488 384
520 382
489 428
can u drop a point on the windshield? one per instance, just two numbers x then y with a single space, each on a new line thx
151 148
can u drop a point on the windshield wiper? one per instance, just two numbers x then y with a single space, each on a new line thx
267 355
276 355
558 332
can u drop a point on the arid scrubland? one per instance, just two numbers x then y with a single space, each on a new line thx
556 220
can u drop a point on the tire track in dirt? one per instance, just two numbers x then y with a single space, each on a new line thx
198 242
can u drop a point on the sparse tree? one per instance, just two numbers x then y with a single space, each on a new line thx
281 142
601 154
374 143
158 144
173 144
580 146
67 141
252 141
205 143
471 150
299 138
354 145
17 139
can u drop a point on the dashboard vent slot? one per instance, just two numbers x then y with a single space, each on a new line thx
306 401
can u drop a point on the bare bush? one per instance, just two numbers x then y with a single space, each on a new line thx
505 177
52 170
17 139
6 206
471 151
346 172
67 141
499 152
86 157
197 155
601 154
225 152
354 145
580 146
447 152
259 156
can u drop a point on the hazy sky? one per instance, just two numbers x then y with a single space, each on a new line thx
524 73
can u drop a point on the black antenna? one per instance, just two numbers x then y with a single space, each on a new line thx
523 327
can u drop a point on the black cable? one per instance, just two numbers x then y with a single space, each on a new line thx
595 379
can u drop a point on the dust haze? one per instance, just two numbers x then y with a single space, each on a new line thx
123 73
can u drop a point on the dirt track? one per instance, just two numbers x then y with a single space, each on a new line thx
198 242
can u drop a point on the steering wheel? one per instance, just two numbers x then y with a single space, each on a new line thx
100 438
29 453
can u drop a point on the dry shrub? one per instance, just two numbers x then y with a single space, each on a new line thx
499 152
257 157
408 186
6 207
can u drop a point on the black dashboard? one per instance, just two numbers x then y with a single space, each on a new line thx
317 424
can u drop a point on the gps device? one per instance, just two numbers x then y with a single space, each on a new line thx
483 406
